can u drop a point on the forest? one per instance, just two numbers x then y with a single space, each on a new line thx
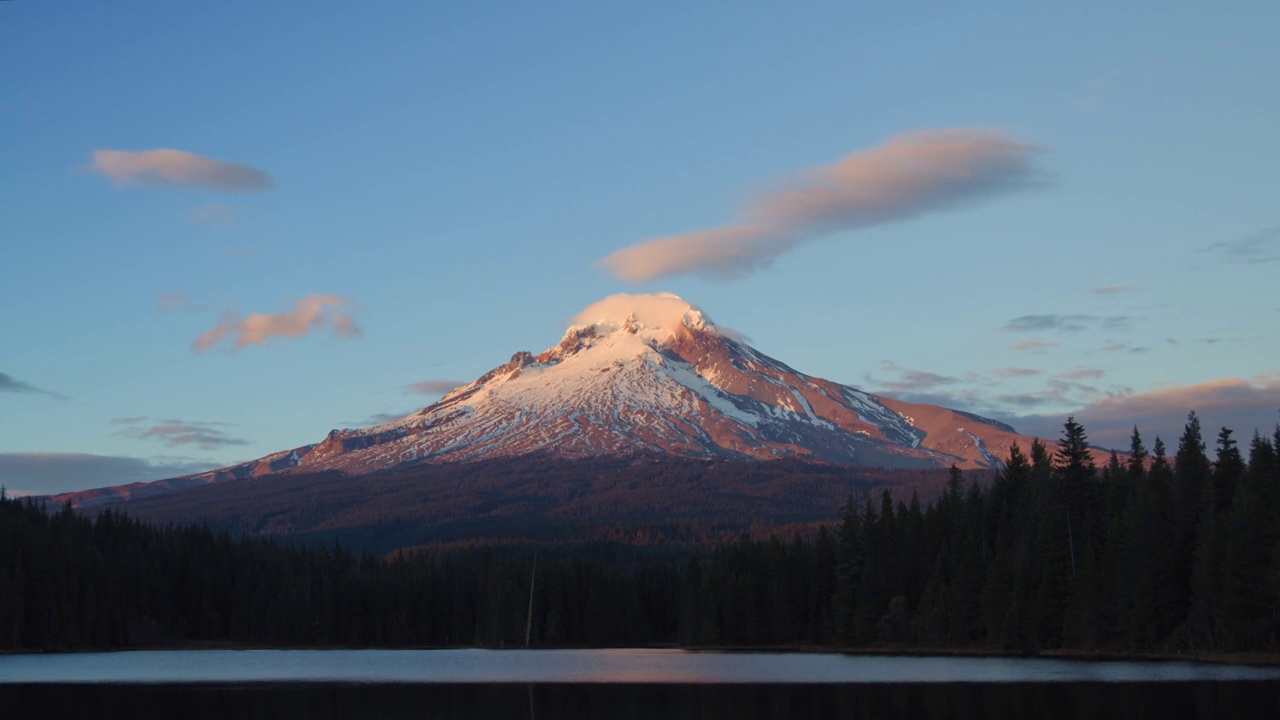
1150 553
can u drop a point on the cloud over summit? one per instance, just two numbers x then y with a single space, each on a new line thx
910 175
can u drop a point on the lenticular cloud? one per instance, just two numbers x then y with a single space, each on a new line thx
910 175
178 168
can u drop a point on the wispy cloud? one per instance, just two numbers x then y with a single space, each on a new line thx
1013 372
1260 247
1082 374
212 214
908 380
1066 323
50 473
9 383
1114 289
310 313
166 167
179 433
1056 392
1124 347
175 302
131 420
1036 346
433 387
378 419
910 175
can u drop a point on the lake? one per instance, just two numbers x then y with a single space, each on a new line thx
648 683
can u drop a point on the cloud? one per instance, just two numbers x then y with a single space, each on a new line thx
177 433
1260 247
1011 372
49 473
1241 405
433 387
310 313
1066 323
212 214
173 302
379 419
1114 289
9 383
1055 393
1082 374
910 175
132 420
912 381
1038 346
1124 347
177 168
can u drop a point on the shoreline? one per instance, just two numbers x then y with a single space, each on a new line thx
1260 659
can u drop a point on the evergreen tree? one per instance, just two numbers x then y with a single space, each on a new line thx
1190 483
1227 471
1249 602
1137 463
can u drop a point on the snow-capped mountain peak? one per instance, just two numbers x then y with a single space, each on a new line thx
651 374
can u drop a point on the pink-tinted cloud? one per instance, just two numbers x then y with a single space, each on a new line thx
910 175
165 167
433 387
179 433
1242 405
1114 289
311 313
1033 345
171 302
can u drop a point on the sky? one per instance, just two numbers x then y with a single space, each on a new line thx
228 228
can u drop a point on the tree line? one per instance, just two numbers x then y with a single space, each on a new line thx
1148 553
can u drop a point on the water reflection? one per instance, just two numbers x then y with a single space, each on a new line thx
585 666
544 702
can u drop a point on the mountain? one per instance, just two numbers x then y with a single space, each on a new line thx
640 499
640 375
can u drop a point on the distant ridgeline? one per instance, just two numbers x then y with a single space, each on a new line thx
1148 553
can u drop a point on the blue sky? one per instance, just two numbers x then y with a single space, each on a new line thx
448 180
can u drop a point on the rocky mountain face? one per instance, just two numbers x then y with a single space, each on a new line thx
646 375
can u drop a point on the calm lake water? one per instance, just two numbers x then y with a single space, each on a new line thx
285 684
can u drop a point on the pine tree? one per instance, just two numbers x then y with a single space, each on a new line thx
1075 473
1137 464
1190 481
1228 469
1248 601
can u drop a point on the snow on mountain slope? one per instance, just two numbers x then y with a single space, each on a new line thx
641 374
